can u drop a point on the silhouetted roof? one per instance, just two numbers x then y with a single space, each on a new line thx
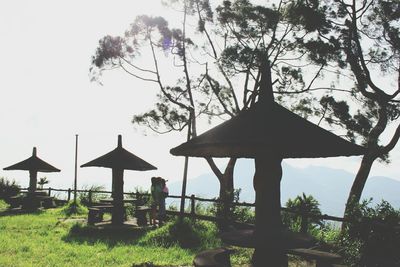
33 163
262 130
120 158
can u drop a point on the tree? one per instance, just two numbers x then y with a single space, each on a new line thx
220 64
303 205
363 43
42 181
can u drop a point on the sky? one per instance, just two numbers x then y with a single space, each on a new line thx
47 96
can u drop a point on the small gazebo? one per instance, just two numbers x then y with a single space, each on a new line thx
119 160
34 165
268 133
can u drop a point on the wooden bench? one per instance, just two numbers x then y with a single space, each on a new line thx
322 258
141 213
47 201
96 213
15 201
218 257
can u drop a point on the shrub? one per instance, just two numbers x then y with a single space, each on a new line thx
95 197
302 205
74 209
142 196
373 237
3 205
186 234
237 213
8 189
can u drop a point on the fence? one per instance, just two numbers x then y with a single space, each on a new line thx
193 200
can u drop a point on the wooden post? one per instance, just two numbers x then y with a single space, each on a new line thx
269 248
185 172
192 206
76 167
49 191
32 181
90 197
304 223
118 212
69 194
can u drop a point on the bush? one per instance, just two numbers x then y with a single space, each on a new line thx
84 196
3 205
186 234
302 205
373 237
8 189
142 196
237 213
74 209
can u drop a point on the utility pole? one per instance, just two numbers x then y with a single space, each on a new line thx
76 167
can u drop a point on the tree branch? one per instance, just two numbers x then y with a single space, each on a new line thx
386 149
214 168
136 76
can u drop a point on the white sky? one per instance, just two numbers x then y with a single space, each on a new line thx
47 98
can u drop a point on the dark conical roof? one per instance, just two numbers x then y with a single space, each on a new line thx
262 130
33 163
119 158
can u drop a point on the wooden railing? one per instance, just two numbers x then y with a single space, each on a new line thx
193 200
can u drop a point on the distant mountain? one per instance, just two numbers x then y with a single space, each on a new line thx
329 186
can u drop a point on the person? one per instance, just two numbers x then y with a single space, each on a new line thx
154 199
164 193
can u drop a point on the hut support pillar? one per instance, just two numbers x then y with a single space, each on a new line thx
267 179
118 212
32 181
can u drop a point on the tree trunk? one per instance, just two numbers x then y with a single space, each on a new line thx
358 184
269 250
226 186
226 191
361 178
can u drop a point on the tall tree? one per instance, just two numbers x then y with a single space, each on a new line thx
218 64
362 43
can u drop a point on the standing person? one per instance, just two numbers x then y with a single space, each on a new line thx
164 193
154 199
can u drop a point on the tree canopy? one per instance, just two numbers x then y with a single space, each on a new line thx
336 62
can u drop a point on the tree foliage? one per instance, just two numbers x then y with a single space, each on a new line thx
327 59
373 238
302 206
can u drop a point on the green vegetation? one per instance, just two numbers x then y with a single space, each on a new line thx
8 188
74 209
3 205
43 239
60 237
374 237
48 238
42 181
86 198
302 205
186 234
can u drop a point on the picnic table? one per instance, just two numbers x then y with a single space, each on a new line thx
96 212
32 200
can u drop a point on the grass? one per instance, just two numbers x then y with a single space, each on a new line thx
3 205
51 238
46 238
